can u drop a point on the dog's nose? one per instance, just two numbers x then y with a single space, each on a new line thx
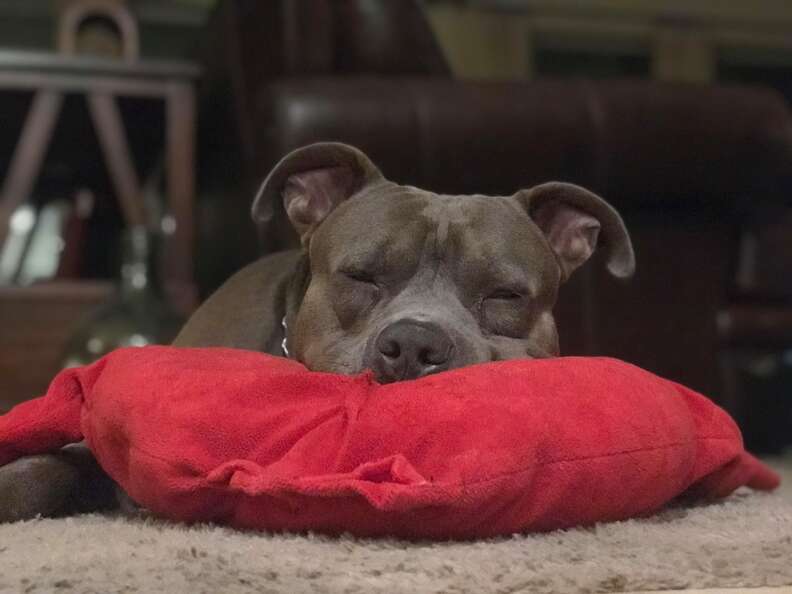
409 349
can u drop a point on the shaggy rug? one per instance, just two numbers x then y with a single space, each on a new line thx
742 541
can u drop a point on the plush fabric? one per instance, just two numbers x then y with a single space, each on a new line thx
255 441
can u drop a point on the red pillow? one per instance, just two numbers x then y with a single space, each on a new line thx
255 441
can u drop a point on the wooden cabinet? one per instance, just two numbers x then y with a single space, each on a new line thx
35 324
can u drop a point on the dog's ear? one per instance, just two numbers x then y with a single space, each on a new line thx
311 182
573 220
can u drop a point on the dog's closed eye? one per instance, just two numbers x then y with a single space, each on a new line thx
360 276
505 295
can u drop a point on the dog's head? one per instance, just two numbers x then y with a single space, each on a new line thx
407 282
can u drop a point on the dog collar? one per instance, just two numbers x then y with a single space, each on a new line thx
284 348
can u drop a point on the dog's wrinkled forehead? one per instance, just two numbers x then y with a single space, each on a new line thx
404 225
442 211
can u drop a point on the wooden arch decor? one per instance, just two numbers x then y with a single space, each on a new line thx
76 13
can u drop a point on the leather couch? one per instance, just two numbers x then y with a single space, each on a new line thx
690 167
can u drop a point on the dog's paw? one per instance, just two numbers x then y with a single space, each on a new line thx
37 486
128 506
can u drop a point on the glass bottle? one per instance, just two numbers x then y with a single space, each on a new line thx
139 315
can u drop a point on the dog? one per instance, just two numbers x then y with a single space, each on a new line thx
389 277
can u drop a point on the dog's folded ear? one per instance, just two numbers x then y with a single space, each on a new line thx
573 220
312 181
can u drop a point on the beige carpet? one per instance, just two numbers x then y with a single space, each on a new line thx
744 541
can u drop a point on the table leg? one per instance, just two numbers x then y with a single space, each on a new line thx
180 142
112 138
28 155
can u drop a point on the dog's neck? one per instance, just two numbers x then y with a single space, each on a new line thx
292 299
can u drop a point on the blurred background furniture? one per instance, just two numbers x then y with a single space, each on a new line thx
669 40
755 328
692 168
101 82
37 320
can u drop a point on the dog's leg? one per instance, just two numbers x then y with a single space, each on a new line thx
49 485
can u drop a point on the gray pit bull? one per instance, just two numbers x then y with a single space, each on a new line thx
390 278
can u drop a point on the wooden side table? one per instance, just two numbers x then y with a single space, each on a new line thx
101 82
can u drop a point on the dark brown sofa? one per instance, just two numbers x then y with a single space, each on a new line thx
690 167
